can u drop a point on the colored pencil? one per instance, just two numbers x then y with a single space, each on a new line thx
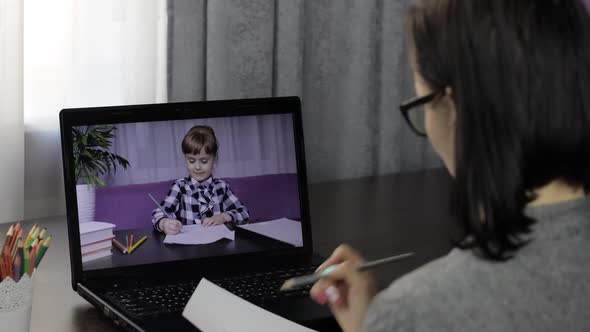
27 257
7 264
15 248
138 243
42 250
8 238
29 235
120 246
31 263
10 241
21 254
33 237
131 240
2 273
42 233
17 267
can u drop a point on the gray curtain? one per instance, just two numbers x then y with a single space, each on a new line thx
346 60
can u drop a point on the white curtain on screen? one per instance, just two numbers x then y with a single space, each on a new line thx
83 54
248 146
11 111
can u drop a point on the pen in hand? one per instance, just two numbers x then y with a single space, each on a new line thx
163 210
160 207
302 281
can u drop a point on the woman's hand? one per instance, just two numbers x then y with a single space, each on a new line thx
170 226
347 290
217 219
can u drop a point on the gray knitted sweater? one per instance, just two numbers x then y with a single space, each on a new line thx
546 287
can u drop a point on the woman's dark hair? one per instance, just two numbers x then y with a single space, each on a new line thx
520 75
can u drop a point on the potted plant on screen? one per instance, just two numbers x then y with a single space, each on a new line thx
92 159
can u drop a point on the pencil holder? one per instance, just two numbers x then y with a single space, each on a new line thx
16 299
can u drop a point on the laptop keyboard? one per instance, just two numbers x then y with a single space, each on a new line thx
172 298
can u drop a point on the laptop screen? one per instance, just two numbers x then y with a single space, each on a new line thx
161 191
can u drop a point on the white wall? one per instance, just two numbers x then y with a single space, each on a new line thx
11 111
83 54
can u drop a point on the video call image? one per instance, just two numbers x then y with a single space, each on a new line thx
162 191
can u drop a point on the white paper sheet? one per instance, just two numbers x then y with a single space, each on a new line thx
213 309
283 229
197 234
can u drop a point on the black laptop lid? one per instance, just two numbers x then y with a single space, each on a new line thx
116 159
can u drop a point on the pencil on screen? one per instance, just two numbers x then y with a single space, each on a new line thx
159 206
138 243
120 246
168 215
298 282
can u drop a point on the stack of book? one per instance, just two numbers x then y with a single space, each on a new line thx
95 240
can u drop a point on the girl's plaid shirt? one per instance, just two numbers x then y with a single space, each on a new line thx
190 202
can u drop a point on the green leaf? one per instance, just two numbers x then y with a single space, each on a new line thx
92 156
101 182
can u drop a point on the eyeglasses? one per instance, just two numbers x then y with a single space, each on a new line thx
416 117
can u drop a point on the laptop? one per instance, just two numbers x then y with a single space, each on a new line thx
124 167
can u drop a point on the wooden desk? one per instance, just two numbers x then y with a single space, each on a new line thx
380 216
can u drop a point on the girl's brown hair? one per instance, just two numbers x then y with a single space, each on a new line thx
200 137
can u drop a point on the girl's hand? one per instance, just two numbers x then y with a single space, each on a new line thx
347 290
217 219
170 226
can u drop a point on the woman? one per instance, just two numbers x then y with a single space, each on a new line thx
503 92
